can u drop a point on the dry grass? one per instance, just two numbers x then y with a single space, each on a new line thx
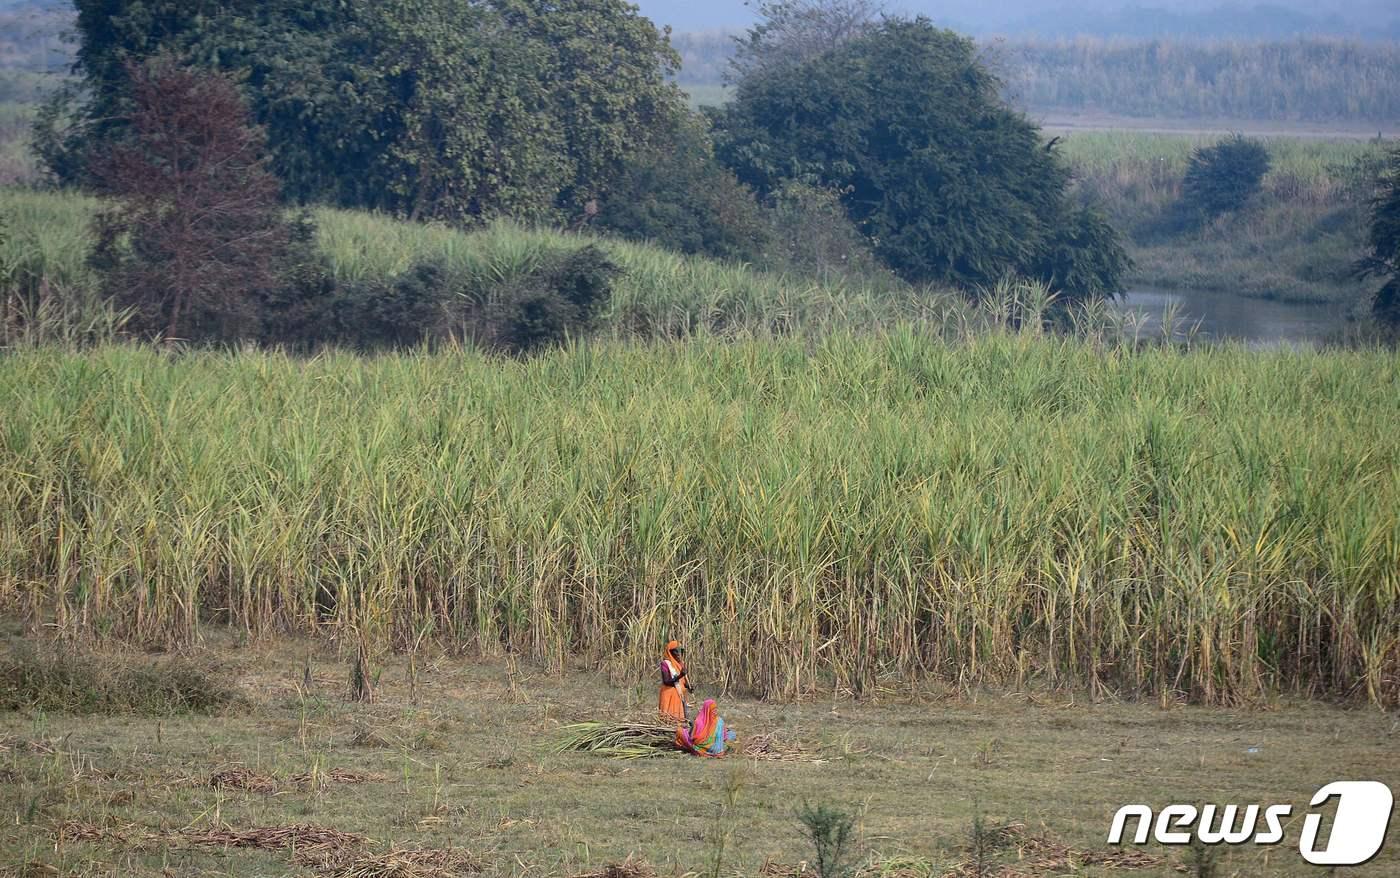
60 677
780 747
631 867
412 863
309 844
620 740
239 778
102 796
242 778
337 854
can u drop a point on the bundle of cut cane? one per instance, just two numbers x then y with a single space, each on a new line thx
621 740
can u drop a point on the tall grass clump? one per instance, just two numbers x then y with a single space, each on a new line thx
657 294
810 512
73 681
48 294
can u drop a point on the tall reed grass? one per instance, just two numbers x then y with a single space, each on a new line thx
841 510
660 294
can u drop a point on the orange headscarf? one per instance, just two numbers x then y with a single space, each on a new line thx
672 701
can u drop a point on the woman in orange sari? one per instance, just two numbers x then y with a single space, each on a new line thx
673 685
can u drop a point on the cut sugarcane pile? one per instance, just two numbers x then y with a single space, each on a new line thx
621 740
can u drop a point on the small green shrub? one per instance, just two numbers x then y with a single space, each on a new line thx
301 311
543 307
982 845
517 309
407 310
832 833
69 681
1202 860
1220 179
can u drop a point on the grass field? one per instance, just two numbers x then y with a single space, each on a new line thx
707 95
458 755
941 572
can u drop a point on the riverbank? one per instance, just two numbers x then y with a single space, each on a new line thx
454 763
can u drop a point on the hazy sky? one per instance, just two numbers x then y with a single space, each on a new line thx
1031 15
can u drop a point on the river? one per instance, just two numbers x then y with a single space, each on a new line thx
1221 315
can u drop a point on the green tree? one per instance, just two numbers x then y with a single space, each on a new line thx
793 31
461 123
607 72
452 109
1083 255
283 50
1383 245
1221 178
947 182
676 194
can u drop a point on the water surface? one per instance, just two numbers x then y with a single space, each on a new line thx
1222 315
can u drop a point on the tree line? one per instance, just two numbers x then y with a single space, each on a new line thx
204 121
1298 80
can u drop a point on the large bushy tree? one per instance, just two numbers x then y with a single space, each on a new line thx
947 182
450 109
282 48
